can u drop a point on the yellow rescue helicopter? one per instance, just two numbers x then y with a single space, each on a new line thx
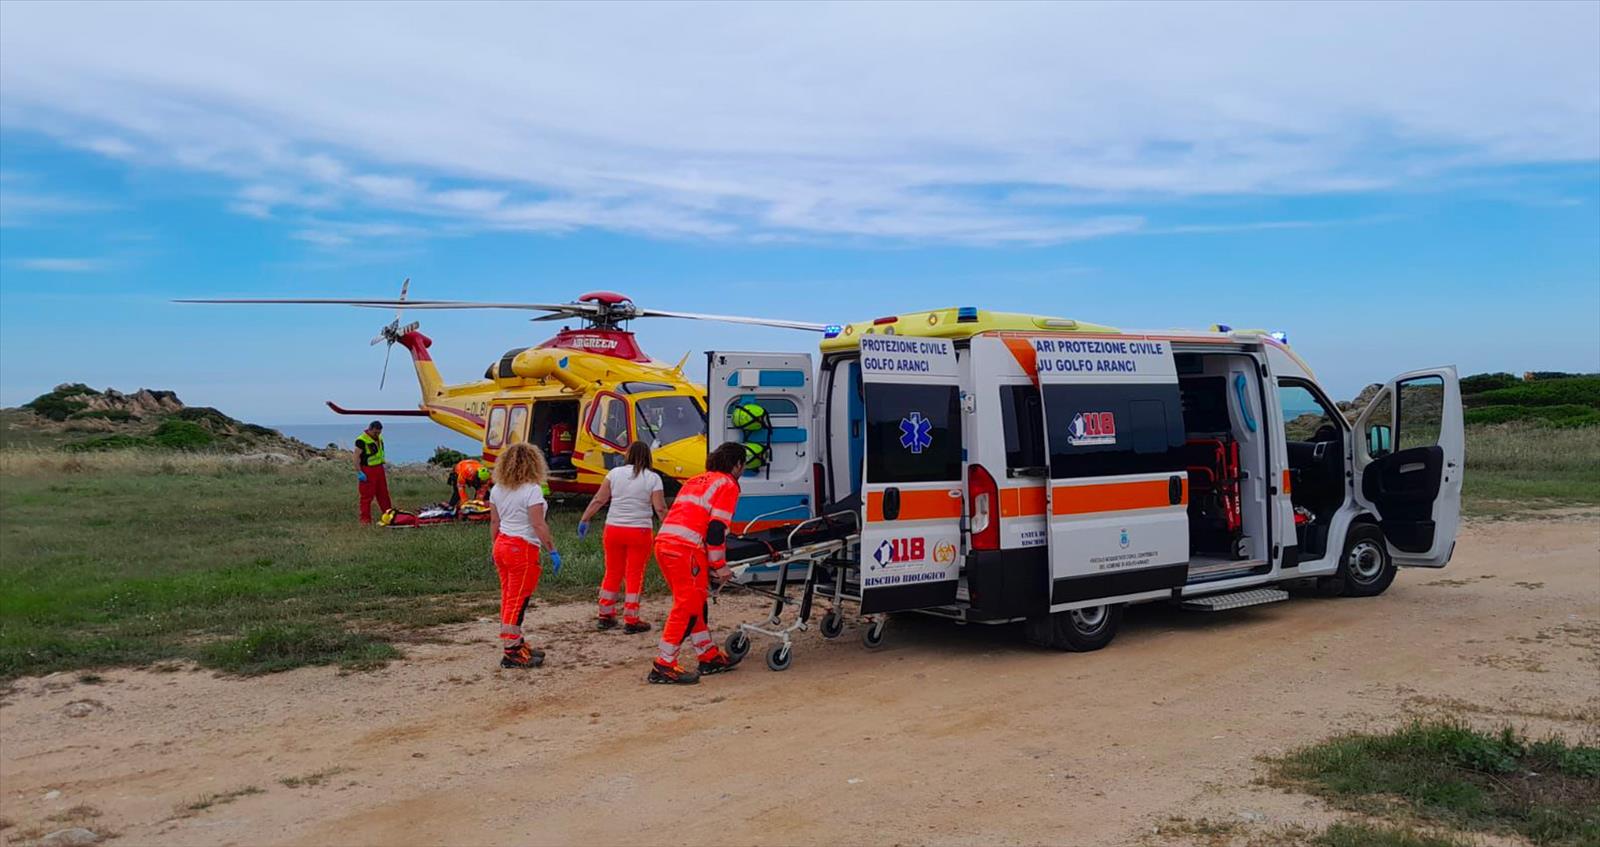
582 396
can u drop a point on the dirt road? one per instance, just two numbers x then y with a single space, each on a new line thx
947 735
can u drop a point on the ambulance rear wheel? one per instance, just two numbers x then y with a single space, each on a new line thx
1076 630
738 644
872 636
1365 569
780 657
832 625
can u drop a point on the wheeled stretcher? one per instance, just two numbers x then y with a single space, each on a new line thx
820 553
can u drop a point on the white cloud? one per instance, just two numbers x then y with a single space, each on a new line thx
979 124
62 265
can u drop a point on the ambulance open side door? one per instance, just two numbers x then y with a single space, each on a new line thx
764 401
1118 491
913 495
1409 454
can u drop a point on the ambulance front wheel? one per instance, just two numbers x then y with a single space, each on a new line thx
738 644
780 657
1077 630
832 624
1366 569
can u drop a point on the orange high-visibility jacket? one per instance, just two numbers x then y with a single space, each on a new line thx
467 479
706 499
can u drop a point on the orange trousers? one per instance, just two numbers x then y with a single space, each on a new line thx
627 550
517 560
687 575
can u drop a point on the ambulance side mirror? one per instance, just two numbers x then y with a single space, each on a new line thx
1379 440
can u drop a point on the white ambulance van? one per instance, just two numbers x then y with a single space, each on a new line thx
1008 467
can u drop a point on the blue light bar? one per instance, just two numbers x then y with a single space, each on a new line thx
832 331
1280 337
1224 328
967 314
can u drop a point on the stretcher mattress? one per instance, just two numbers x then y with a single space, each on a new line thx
771 544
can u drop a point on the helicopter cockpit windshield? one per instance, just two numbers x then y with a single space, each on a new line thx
669 419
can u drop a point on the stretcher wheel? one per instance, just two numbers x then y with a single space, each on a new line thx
832 625
872 636
738 644
780 657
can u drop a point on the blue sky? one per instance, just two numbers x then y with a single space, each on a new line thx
1393 185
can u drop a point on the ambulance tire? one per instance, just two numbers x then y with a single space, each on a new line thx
1076 631
832 625
1365 567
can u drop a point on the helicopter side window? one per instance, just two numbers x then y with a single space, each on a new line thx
609 422
494 435
518 429
667 420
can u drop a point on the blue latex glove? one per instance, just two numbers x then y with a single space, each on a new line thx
361 476
555 562
583 528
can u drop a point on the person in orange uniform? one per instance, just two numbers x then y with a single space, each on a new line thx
634 494
371 480
690 551
469 477
517 525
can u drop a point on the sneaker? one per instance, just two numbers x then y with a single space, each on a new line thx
717 662
605 622
636 627
521 656
673 674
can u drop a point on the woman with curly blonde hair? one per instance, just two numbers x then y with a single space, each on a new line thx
519 530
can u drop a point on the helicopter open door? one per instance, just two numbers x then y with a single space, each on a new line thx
764 401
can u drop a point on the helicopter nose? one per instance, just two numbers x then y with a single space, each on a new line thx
682 460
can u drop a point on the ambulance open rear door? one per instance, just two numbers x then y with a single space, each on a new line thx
775 391
1117 495
913 497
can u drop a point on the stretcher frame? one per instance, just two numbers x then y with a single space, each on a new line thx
832 559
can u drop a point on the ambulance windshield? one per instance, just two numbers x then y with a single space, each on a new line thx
668 419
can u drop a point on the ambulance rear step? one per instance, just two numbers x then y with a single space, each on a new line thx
1236 600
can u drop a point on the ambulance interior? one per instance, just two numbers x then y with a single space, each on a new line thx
1315 432
1225 460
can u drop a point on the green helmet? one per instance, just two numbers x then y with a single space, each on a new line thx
755 455
750 417
484 474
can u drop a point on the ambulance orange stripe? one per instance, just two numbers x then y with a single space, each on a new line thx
1114 497
1022 502
916 505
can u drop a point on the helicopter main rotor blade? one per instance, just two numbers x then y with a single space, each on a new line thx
733 319
575 308
385 376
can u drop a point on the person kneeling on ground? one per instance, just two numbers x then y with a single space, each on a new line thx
690 550
634 493
469 480
519 530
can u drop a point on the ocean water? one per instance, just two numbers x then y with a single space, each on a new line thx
403 441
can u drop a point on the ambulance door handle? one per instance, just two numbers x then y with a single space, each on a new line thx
1174 490
891 503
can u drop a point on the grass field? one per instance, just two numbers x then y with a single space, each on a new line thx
131 557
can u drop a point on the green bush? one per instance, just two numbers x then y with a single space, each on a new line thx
1478 383
1576 391
109 442
446 457
178 434
210 418
54 406
114 415
1561 416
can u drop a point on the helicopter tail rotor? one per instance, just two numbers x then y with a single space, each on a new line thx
393 331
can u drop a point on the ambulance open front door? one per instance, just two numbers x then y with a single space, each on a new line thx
1410 450
913 495
1114 434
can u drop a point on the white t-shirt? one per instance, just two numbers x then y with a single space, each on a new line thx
512 505
630 497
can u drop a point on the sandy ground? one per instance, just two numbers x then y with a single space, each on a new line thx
946 735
